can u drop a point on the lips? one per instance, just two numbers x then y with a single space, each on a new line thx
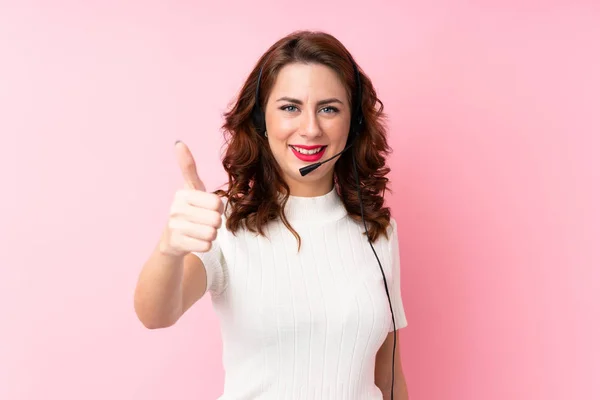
308 153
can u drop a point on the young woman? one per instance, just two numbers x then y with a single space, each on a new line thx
302 268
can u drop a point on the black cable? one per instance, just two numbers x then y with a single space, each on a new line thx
362 213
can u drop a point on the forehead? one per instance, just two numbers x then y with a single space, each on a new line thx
305 81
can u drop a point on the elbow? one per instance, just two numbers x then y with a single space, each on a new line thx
150 317
150 322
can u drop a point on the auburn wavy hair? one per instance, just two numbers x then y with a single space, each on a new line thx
255 179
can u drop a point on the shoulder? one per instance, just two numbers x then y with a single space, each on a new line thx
393 224
392 233
392 228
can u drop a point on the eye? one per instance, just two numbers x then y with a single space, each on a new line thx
330 109
288 107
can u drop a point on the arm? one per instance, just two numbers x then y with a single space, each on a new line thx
383 370
167 287
173 278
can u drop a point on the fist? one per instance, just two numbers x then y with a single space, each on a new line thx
195 214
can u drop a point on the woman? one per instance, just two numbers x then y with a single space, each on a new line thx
303 304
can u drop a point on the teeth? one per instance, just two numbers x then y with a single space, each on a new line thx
307 152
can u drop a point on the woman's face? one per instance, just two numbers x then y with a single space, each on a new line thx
307 118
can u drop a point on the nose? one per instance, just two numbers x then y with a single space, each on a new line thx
311 127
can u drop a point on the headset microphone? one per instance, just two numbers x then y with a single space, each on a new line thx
310 168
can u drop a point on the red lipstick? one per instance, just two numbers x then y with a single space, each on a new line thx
308 157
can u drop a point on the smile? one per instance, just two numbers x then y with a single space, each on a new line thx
308 153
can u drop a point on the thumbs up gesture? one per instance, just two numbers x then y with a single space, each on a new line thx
195 214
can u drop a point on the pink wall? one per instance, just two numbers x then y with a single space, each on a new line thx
494 118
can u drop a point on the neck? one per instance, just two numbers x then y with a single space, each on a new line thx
315 209
306 187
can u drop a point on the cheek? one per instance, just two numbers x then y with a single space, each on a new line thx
279 134
278 144
280 125
336 128
338 134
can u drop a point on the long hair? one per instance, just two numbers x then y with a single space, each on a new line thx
256 185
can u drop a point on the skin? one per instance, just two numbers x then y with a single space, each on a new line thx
308 105
383 368
173 279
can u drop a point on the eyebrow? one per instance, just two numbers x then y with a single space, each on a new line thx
319 103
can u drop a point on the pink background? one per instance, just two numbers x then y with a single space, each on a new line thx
494 119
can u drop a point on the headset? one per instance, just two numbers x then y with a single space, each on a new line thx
357 124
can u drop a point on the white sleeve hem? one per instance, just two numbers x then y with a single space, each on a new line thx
216 271
395 289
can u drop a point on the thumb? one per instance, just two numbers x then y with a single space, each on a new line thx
187 165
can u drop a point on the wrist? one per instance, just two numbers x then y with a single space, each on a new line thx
166 251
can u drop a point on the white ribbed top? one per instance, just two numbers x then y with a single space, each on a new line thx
307 324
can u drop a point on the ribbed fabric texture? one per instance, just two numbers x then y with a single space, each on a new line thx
303 324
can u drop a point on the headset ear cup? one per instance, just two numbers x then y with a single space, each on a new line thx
357 124
258 119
